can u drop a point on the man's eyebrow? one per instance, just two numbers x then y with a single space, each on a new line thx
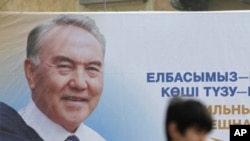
62 59
97 63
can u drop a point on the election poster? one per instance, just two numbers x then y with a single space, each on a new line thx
150 57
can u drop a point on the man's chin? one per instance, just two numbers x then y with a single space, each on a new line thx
71 126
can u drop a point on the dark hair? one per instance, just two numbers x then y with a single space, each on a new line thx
186 114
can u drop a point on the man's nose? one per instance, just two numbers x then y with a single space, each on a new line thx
79 80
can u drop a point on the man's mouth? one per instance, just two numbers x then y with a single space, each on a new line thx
72 98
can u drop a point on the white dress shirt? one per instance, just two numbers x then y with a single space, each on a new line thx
50 131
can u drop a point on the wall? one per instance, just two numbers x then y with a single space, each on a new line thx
132 5
73 5
162 5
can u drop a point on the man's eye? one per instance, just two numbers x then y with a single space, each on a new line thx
64 66
64 69
93 69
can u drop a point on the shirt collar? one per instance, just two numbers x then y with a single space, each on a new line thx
46 128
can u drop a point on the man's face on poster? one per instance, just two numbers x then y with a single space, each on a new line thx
67 83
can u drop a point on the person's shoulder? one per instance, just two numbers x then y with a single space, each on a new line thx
7 114
13 127
92 134
4 107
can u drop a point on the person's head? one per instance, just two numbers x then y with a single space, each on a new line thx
187 120
64 68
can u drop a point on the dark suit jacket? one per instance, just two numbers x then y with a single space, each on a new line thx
13 127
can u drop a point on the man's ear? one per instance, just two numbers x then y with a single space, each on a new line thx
29 69
173 131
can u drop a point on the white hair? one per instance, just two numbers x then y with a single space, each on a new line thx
35 36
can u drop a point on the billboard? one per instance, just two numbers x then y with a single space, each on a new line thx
150 57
